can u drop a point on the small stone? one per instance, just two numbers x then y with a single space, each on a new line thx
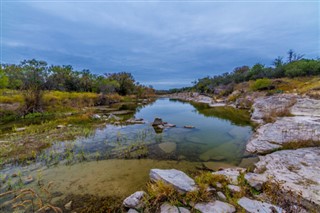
234 188
28 180
96 116
61 126
218 185
134 200
167 208
254 206
68 206
132 211
189 127
231 174
21 129
221 196
255 180
215 206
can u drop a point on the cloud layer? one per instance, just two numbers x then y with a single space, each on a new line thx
166 44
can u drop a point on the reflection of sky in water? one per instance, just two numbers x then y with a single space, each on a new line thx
212 139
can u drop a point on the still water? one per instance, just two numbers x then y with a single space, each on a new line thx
116 159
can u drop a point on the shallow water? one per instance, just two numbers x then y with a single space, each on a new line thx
218 140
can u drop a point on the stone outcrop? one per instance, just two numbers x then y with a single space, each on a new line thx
270 106
254 206
285 130
297 171
176 178
306 107
215 206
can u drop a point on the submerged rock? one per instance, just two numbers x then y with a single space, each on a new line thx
254 206
189 127
134 200
167 208
299 129
297 171
168 147
215 206
176 178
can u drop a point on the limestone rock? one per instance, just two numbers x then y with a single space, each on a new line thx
306 107
285 130
254 206
68 206
167 208
176 178
221 196
215 206
231 174
264 106
134 200
255 180
298 171
234 188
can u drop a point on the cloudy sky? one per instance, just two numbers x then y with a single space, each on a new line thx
163 43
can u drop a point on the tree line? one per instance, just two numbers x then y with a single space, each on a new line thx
295 65
33 77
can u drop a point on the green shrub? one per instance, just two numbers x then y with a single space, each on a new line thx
261 84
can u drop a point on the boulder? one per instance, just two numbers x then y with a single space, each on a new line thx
254 206
231 174
134 200
285 130
167 208
255 180
215 206
176 178
297 171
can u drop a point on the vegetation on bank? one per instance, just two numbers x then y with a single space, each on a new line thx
259 76
41 86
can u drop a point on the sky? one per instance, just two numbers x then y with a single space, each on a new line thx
166 44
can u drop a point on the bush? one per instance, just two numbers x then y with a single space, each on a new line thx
262 84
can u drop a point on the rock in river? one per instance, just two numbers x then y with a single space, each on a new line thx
176 178
157 122
168 147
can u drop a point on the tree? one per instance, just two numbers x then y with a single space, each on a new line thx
4 80
35 76
125 80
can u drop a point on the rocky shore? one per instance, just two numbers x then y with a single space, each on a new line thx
287 176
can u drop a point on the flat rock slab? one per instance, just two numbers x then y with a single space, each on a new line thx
231 174
306 107
176 178
215 207
254 206
134 200
167 208
168 147
298 171
285 130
